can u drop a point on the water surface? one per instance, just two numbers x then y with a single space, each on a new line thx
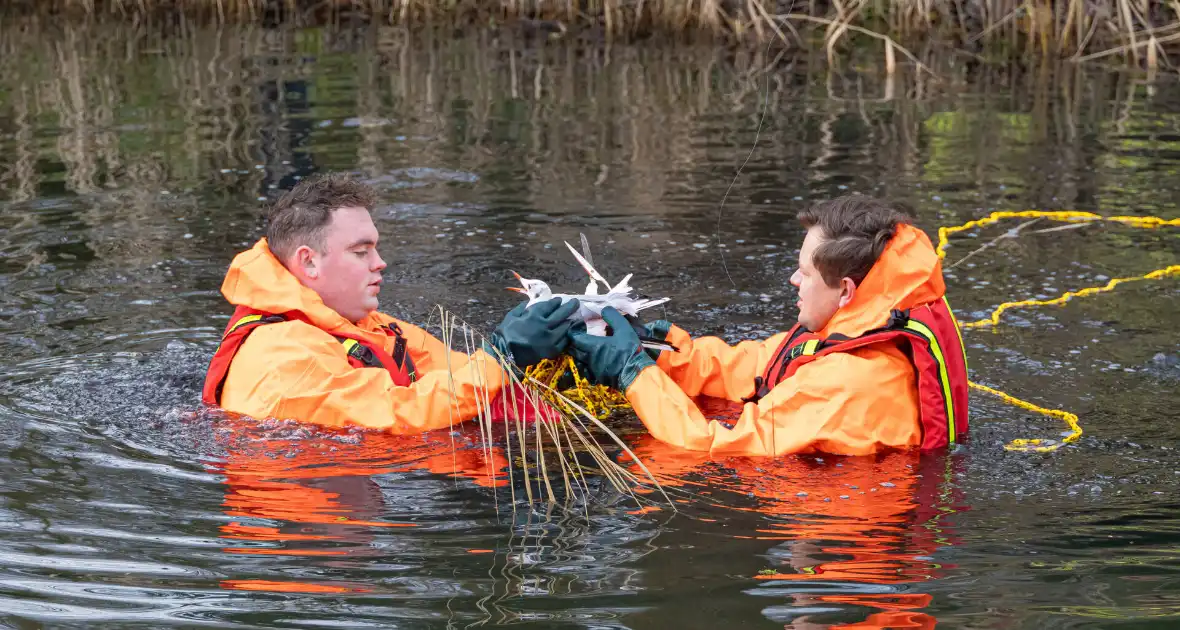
133 165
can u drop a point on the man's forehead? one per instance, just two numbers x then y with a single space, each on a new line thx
350 214
810 241
362 241
807 250
352 227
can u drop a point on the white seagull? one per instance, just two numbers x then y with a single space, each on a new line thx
591 302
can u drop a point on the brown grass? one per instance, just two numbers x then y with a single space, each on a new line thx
550 450
1140 31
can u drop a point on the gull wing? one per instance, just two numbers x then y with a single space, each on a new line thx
594 275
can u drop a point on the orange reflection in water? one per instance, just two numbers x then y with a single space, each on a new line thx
317 488
867 520
287 587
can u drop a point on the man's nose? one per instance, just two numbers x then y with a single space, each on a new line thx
380 264
796 278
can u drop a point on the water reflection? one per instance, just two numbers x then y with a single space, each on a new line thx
132 164
855 531
299 492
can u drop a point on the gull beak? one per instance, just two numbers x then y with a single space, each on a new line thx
517 289
517 275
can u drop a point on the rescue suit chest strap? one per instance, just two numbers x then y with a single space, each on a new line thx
355 349
797 345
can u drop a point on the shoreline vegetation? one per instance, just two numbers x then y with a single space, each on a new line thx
1142 33
118 93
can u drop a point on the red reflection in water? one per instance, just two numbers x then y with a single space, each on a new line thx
868 520
318 486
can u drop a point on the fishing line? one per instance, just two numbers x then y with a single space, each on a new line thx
757 134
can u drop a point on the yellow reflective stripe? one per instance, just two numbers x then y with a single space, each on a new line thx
350 345
925 331
809 347
958 331
249 319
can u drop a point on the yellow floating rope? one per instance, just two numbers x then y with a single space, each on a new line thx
1146 222
1034 444
1068 216
994 320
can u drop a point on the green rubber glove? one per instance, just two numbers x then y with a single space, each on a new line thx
528 335
614 360
657 331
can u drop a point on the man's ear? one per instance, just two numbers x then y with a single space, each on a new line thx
306 260
847 291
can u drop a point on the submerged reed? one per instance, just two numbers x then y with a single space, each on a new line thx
552 447
1140 31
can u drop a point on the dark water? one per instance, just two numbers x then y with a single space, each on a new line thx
132 166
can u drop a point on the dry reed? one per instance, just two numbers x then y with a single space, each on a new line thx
1141 31
552 446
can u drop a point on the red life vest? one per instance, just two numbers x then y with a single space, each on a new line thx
930 336
360 353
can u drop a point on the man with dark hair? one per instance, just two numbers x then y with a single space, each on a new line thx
306 342
875 362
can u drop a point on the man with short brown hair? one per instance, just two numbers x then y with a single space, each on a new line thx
875 361
306 341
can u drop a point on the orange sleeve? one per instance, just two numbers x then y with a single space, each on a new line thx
293 370
709 366
851 403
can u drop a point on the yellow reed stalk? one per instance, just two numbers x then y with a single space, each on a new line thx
575 421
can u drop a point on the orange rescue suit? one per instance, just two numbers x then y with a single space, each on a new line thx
853 402
306 366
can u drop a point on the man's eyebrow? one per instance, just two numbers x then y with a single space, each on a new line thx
363 241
